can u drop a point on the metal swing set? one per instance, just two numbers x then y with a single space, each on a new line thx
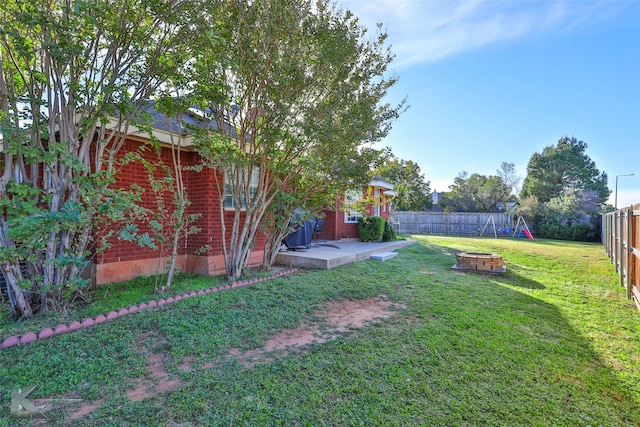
520 230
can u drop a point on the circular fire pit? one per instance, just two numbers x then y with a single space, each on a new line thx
479 262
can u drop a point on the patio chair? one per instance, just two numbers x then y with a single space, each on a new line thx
317 232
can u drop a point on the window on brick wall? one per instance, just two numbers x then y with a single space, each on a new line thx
253 187
350 198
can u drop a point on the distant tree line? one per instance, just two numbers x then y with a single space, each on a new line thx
562 197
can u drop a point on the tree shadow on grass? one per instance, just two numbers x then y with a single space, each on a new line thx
512 278
539 361
446 256
463 352
562 243
536 358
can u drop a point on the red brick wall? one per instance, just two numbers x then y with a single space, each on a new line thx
329 229
126 260
344 230
127 175
202 191
336 228
385 207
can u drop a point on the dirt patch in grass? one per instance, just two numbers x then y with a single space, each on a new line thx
85 408
157 379
327 324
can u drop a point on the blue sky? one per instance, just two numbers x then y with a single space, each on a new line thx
494 81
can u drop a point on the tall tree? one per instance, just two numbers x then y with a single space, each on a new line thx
72 77
560 168
563 191
413 192
509 176
575 215
296 87
476 193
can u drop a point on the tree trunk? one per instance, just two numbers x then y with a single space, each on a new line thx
17 299
172 261
272 247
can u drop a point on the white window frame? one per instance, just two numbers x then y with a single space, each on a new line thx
48 178
376 197
351 216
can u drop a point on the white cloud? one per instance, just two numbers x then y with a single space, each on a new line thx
424 31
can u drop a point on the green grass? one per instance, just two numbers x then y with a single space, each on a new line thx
552 342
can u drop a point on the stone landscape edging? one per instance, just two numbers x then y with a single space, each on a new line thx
29 337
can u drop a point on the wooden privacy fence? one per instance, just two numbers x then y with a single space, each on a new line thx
455 223
621 240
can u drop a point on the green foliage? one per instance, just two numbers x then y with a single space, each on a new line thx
476 193
370 228
389 233
413 193
299 93
509 176
167 222
574 215
31 223
575 232
562 167
73 77
531 209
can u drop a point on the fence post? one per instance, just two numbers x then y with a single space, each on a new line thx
627 257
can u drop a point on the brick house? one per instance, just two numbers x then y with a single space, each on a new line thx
126 260
341 222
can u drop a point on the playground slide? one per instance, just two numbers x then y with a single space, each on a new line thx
526 233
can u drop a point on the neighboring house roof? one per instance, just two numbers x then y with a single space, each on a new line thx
508 207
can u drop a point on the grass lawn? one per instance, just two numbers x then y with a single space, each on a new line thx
553 342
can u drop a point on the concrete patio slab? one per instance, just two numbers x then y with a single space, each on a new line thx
336 253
